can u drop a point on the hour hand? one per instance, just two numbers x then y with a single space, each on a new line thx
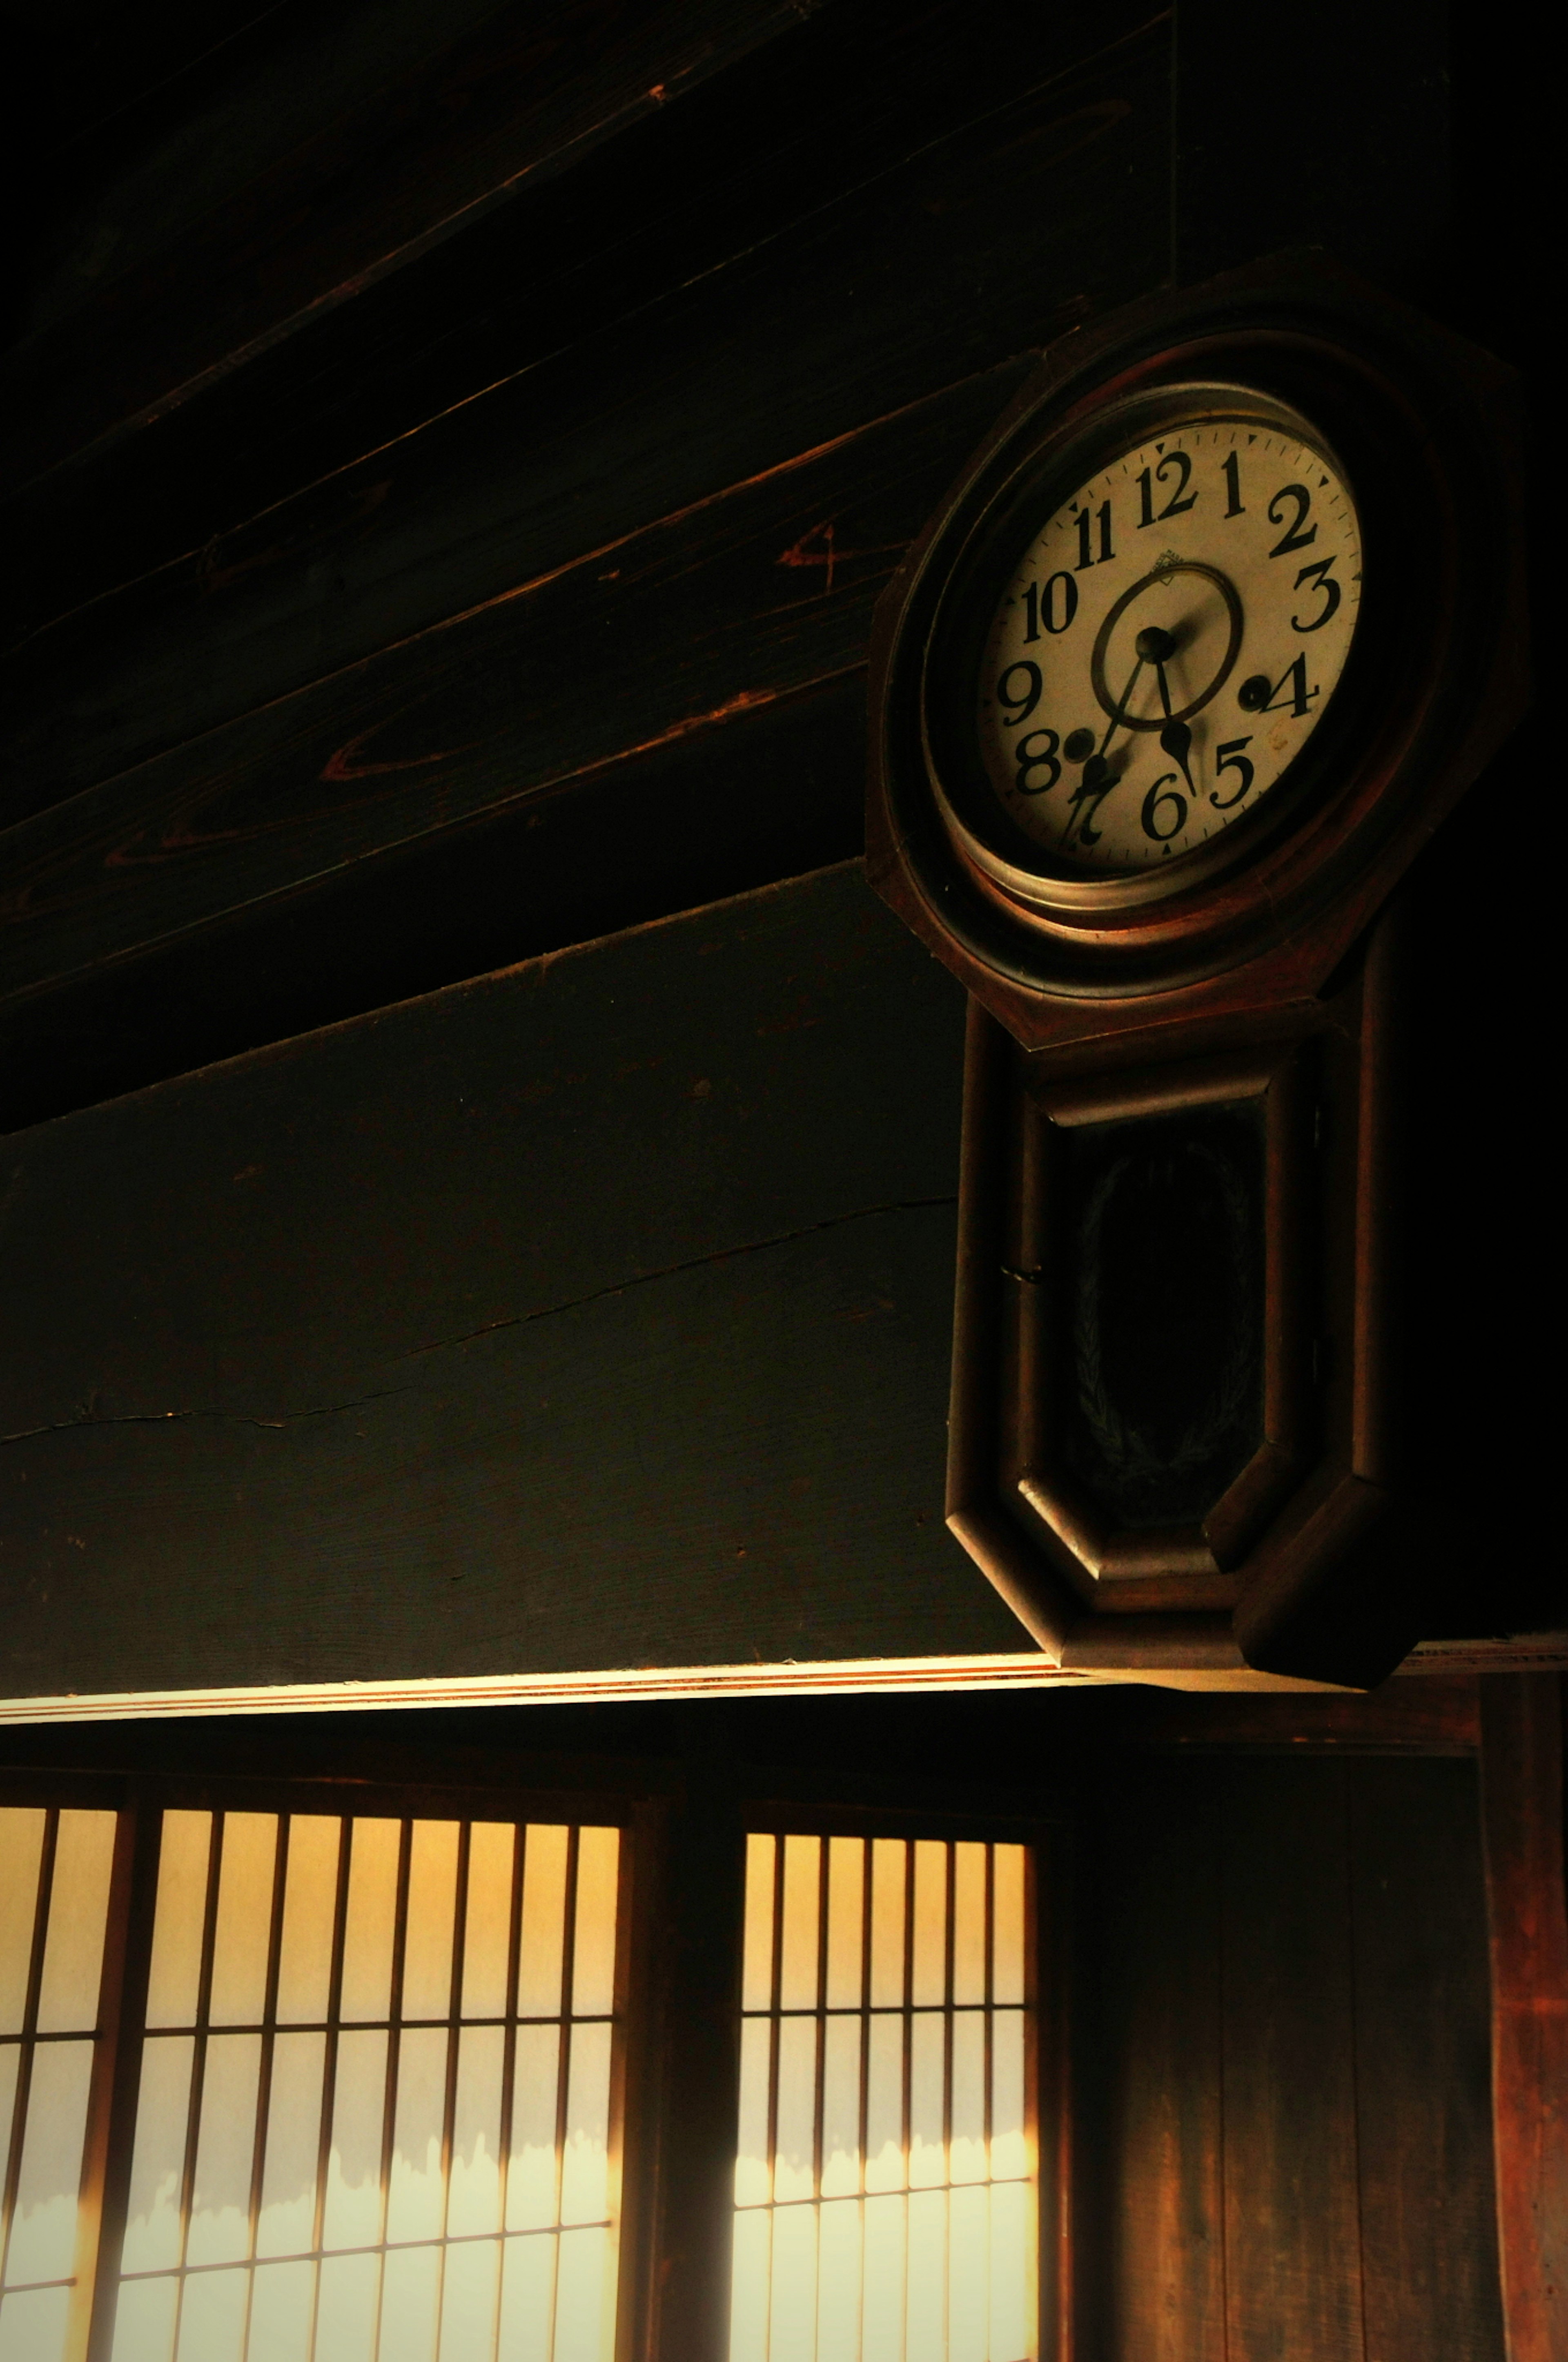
1175 740
1098 780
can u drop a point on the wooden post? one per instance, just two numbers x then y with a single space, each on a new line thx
1521 1744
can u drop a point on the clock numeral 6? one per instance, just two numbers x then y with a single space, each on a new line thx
1162 797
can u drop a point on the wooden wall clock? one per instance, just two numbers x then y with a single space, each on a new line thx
1207 638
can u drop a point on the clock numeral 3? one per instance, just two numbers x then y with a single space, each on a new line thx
1324 582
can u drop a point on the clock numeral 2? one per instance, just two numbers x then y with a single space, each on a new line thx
1085 556
1292 537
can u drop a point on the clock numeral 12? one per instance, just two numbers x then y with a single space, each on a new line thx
1085 556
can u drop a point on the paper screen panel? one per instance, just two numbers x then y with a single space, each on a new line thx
375 2116
55 1872
886 2198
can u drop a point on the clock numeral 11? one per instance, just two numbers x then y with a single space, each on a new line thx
1085 523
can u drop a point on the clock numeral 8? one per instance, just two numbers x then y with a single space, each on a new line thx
1044 760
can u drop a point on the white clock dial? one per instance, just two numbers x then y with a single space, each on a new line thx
1169 644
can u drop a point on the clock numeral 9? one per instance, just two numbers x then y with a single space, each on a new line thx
1019 702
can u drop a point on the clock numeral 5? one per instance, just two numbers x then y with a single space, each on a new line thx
1229 758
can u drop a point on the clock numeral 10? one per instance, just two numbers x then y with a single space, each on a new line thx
1055 606
1085 524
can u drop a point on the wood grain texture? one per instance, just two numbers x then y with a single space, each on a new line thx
862 307
637 645
363 144
772 790
1522 1782
1423 2115
1283 2091
684 289
1292 2240
1154 2225
596 1312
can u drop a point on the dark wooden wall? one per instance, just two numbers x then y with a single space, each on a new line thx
450 457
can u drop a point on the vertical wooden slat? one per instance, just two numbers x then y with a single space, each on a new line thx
1149 2167
116 2075
1292 2231
1521 1759
1429 2242
699 1983
329 2066
13 2162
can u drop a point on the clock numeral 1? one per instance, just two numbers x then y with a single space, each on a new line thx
1233 468
1085 524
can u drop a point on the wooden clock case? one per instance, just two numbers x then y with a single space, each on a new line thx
1239 1037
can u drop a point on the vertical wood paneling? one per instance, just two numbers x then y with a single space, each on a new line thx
1430 2265
1522 1758
1292 2240
1154 1983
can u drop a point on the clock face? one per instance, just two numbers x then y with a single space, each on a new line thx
1167 644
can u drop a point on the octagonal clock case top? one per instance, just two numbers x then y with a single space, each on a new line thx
1139 647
